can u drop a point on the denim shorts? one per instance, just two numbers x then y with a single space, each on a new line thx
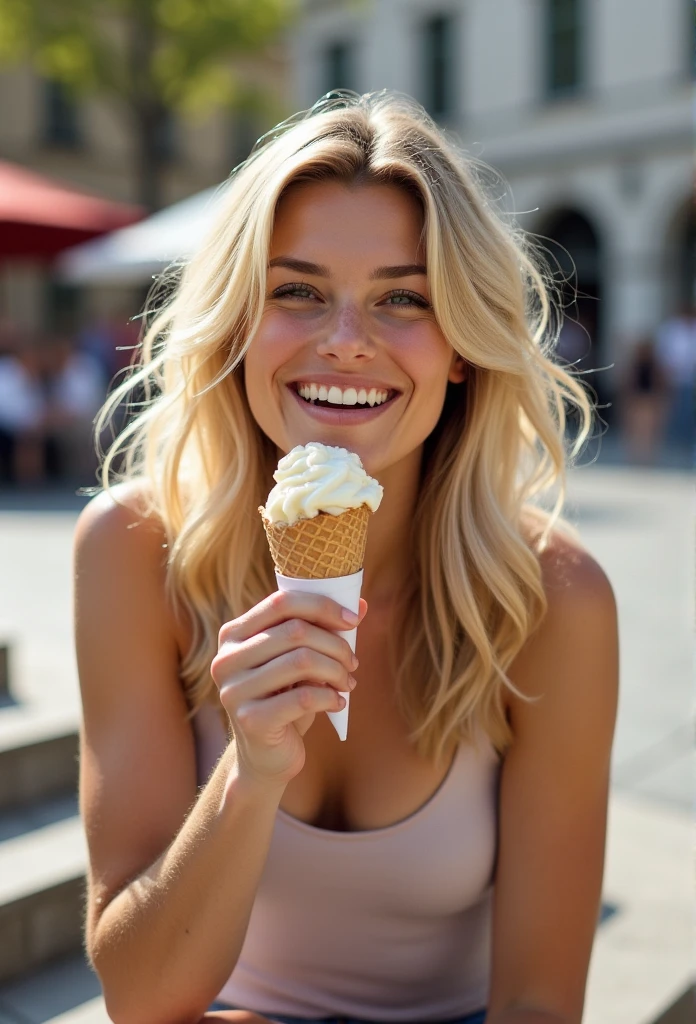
471 1018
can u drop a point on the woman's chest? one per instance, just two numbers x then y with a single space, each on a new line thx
376 777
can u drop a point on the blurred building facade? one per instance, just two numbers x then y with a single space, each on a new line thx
84 142
585 107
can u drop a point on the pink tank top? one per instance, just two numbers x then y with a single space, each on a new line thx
389 924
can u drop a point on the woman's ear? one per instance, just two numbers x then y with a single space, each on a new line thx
458 369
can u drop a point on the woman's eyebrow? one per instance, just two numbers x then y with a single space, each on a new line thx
301 266
405 270
378 274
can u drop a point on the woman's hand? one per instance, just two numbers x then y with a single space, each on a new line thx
276 667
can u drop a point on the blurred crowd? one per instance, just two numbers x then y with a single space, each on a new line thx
51 388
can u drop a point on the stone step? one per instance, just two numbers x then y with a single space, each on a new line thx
65 991
38 755
43 857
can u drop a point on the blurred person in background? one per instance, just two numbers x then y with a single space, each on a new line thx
676 357
76 388
23 409
445 862
643 402
112 340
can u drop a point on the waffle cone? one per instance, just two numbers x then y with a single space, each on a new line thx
320 548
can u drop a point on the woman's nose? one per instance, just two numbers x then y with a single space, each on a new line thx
347 337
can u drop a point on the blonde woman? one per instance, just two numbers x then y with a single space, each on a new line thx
445 862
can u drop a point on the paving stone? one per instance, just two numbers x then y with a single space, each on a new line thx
673 782
644 954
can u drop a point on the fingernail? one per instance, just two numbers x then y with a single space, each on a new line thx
355 662
350 617
352 682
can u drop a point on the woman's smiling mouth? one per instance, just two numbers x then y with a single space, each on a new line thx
342 405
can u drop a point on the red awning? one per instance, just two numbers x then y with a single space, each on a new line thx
40 217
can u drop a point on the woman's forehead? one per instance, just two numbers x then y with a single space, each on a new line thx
332 217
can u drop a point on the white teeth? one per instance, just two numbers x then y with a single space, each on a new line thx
334 395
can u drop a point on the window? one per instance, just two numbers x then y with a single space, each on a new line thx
438 66
565 47
61 122
338 67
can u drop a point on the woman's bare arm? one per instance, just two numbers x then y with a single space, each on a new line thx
172 877
553 803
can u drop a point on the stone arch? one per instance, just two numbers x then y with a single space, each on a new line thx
576 255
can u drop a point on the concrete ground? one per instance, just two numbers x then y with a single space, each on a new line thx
639 524
640 527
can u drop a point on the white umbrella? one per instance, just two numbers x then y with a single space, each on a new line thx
132 255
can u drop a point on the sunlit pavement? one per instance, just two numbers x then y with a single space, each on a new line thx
639 524
640 527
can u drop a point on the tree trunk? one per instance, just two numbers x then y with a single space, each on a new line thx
145 108
147 126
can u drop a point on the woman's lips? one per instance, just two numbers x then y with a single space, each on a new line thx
343 416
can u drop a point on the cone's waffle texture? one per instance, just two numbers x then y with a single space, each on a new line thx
320 548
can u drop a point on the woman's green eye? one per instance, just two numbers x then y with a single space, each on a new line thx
406 299
294 291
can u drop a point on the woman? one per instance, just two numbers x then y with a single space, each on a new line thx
445 862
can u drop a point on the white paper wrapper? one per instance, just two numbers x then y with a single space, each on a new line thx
346 591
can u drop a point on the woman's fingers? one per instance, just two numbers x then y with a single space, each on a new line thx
299 666
277 666
260 717
288 636
284 605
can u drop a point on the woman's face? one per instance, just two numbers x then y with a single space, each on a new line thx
348 351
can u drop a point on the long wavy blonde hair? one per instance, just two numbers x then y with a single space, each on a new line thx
498 446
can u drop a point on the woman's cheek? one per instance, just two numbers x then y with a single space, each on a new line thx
279 334
423 354
274 344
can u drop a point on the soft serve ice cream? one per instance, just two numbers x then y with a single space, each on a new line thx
316 478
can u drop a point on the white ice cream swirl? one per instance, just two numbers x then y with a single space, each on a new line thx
316 478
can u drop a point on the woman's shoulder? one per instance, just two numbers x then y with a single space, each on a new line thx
120 560
120 542
123 514
570 575
575 646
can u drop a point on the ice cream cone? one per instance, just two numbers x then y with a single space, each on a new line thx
324 547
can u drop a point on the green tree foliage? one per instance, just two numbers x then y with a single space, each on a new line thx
148 56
